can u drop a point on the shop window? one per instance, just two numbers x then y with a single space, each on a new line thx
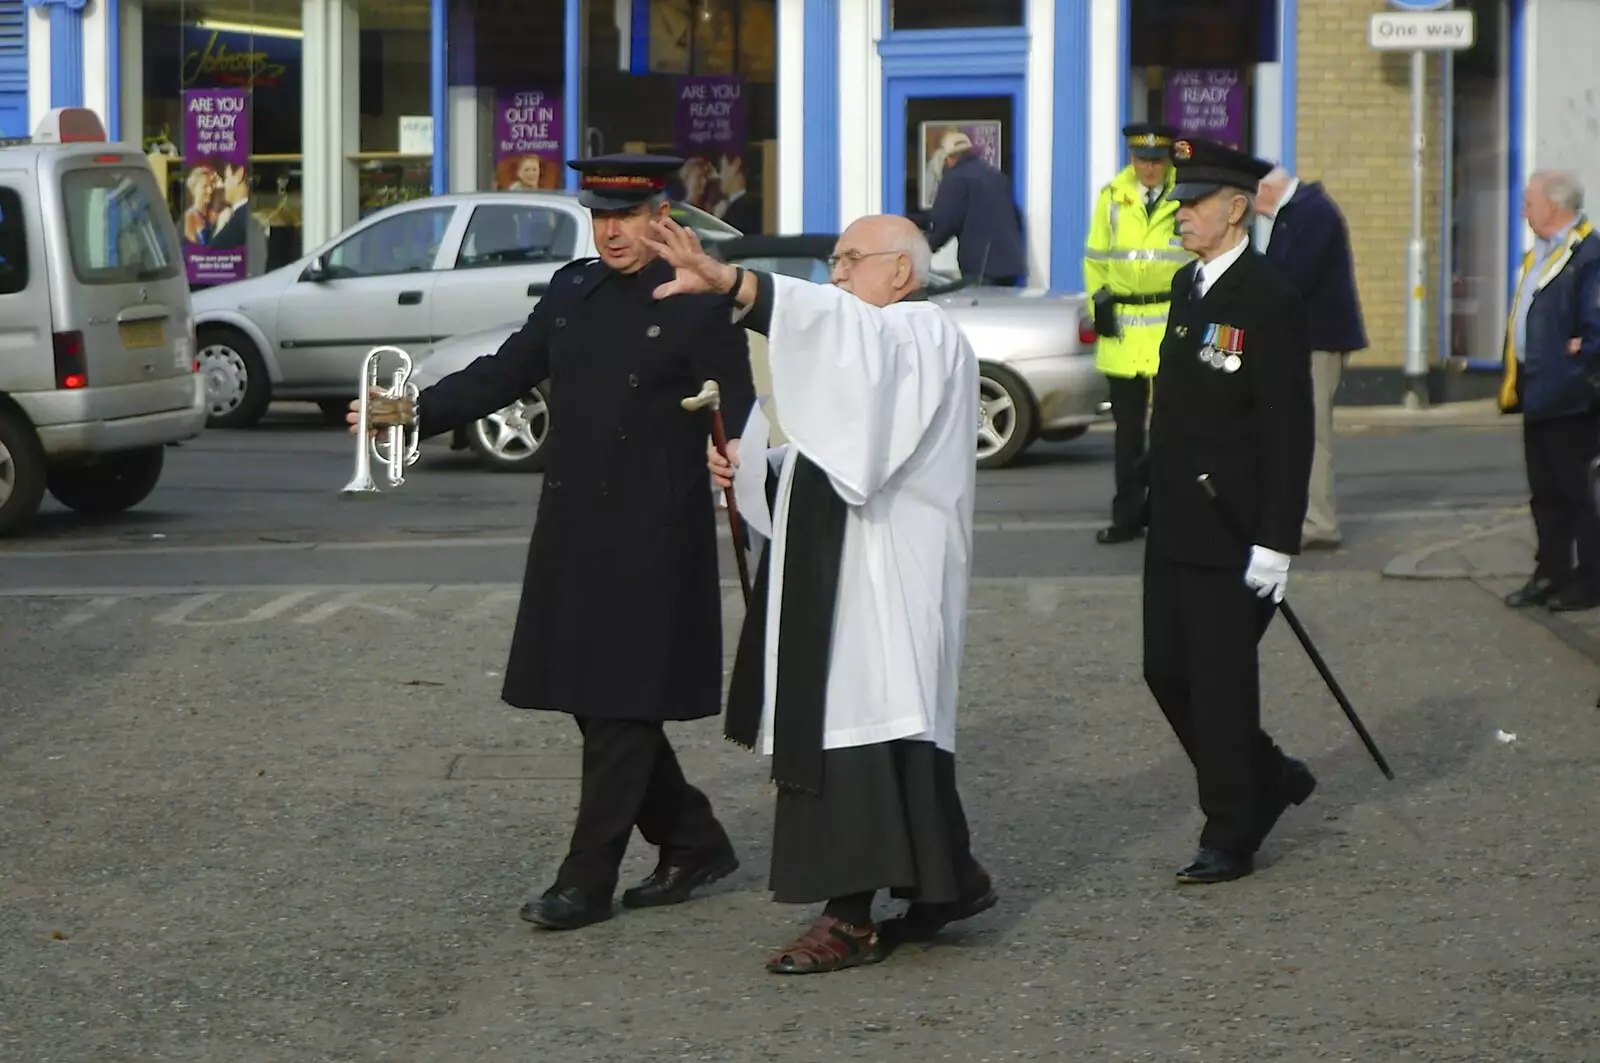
954 14
697 81
508 234
217 104
986 120
13 244
1192 64
394 154
405 243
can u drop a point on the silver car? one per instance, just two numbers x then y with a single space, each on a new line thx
411 275
1036 374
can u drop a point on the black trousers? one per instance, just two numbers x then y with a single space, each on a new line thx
631 778
1558 453
1130 401
1202 627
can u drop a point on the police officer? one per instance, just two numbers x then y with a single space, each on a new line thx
620 622
1130 256
1234 403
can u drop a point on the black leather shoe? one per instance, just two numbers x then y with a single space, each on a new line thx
566 908
1294 787
673 883
1534 592
1213 865
1117 534
1573 599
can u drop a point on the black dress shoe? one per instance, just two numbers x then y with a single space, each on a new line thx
1294 786
673 883
566 908
1573 599
1117 534
1534 592
1214 865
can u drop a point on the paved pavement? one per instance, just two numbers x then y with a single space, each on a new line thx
282 816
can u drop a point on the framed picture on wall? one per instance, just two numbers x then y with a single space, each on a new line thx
934 135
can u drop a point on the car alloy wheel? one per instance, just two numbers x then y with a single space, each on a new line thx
997 417
8 473
226 376
512 437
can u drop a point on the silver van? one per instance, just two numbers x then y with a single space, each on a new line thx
97 369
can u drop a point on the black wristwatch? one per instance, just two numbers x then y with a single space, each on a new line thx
738 280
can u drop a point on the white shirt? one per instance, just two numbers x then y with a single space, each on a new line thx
1206 273
883 401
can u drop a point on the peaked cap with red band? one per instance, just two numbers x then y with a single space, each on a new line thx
622 182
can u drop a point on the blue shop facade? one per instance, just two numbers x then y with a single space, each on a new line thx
813 111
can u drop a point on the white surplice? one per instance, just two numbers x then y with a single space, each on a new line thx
885 402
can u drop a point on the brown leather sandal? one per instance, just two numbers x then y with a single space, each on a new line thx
829 945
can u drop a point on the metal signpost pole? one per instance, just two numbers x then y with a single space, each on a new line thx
1416 358
1419 27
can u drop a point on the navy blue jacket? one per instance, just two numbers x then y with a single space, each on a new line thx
1310 245
1550 382
974 205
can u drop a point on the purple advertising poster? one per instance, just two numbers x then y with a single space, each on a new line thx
216 217
1207 103
711 139
527 140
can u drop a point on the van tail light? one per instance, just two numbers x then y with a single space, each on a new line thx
72 367
1086 333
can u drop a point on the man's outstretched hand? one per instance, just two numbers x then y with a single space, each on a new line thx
698 272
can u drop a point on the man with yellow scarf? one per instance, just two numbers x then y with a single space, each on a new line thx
1552 377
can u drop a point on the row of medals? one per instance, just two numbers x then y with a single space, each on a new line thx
1228 363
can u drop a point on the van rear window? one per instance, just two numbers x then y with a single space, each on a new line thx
114 228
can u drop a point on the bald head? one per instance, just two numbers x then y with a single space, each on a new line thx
881 259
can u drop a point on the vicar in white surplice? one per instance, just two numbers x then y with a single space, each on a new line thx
850 654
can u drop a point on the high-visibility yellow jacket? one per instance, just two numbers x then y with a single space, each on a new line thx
1134 251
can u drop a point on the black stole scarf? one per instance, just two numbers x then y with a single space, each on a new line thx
813 547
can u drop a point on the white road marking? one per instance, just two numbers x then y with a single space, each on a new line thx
178 615
352 600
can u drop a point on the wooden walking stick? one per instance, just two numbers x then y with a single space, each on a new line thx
710 397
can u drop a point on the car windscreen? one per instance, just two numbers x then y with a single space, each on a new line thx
114 229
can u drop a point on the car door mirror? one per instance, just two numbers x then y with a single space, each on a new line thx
317 271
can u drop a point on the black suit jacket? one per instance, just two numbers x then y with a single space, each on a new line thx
1310 244
1252 429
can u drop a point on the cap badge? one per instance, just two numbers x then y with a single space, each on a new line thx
1183 151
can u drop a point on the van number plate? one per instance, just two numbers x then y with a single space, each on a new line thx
137 334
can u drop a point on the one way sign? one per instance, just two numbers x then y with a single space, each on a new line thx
1422 31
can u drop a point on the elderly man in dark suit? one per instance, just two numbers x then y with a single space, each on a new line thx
1310 245
1233 403
975 207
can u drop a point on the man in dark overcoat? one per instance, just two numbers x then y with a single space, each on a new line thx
620 622
1310 244
1233 402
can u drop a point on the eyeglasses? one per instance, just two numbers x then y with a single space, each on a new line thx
854 257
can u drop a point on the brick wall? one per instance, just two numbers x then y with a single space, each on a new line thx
1353 133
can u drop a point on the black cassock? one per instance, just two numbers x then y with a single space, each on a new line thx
1234 400
620 622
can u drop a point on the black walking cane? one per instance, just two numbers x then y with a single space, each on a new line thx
1305 639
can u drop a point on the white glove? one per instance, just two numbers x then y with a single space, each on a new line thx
1268 573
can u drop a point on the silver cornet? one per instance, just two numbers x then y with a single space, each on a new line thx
402 445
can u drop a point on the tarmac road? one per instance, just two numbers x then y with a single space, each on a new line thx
276 820
263 507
